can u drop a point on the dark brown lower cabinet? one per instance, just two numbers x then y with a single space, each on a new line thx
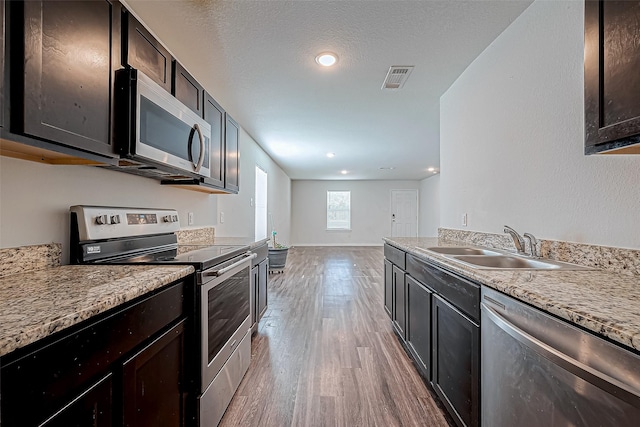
152 382
456 362
388 287
92 408
399 301
419 325
126 365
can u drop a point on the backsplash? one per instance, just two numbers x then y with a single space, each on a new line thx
29 258
617 260
192 236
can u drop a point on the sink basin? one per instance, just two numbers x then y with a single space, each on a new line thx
457 250
508 262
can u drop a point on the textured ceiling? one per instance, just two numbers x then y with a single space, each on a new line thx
257 59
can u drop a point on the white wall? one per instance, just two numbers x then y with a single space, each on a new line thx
35 199
238 209
512 140
429 207
370 211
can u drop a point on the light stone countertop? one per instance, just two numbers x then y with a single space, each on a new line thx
603 302
36 304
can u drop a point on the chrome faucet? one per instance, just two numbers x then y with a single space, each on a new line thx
518 241
533 244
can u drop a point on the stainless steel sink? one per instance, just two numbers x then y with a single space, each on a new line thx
458 250
508 262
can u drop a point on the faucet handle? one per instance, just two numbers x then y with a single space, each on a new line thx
533 244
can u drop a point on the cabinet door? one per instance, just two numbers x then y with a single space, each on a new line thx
214 115
419 325
262 288
187 90
456 361
152 381
399 301
91 408
68 79
388 287
611 78
144 53
232 156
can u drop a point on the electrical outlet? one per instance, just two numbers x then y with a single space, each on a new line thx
221 217
190 218
251 201
464 219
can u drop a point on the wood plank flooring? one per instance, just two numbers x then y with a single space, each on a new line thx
325 353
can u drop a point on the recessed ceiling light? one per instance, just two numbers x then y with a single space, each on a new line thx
327 59
343 172
387 168
431 169
331 155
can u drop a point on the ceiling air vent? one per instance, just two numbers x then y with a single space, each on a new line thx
396 76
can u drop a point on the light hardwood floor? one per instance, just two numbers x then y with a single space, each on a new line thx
325 353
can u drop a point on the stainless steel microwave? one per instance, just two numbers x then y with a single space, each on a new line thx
152 127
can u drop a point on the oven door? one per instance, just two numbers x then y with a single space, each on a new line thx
167 131
223 294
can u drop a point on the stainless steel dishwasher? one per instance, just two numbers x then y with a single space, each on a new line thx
537 370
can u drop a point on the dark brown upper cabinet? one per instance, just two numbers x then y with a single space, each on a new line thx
62 73
232 155
143 52
187 90
611 77
214 115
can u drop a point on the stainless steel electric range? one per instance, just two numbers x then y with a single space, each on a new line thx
117 235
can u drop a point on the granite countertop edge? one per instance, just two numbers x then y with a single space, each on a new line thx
608 303
37 304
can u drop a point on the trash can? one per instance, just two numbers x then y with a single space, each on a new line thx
277 258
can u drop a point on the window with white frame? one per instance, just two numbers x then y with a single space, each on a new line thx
338 210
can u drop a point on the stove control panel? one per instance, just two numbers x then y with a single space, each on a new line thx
170 218
102 222
107 219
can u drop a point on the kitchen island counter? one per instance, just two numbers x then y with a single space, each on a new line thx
36 304
603 302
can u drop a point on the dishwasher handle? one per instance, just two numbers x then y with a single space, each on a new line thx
599 379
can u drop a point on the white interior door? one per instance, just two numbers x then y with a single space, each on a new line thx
404 213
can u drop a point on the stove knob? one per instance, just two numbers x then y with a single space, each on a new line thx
175 218
167 218
102 219
115 219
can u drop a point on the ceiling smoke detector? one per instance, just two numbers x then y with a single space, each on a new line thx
397 76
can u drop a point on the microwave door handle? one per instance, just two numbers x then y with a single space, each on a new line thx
198 165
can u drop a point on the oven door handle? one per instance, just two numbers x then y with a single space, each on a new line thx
217 273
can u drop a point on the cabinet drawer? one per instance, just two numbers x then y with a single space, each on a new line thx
48 377
463 294
395 255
